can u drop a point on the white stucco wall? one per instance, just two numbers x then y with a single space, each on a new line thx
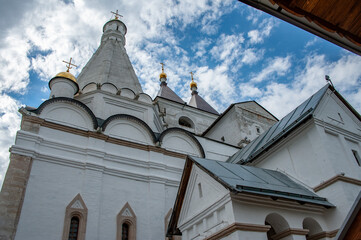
320 150
241 124
106 175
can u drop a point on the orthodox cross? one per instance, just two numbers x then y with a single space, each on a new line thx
191 75
69 64
117 15
162 67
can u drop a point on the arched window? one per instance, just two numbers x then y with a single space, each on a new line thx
74 228
126 223
75 220
278 225
125 231
313 227
185 122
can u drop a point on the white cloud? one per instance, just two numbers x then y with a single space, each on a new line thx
14 64
311 42
215 86
253 15
345 73
200 47
252 55
9 124
277 66
258 35
248 90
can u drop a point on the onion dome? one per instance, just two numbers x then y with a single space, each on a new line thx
64 84
193 84
162 75
67 75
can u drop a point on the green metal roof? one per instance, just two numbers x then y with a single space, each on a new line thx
248 179
280 129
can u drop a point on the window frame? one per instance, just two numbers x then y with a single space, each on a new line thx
76 208
130 219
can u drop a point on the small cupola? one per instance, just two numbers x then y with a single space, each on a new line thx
64 83
193 85
115 29
163 76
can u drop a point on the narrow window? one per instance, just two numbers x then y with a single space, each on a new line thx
126 224
74 228
75 220
125 231
258 130
200 190
357 157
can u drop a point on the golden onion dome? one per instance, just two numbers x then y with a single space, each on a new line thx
163 75
67 75
193 84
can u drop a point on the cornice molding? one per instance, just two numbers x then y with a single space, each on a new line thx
101 136
290 231
334 179
324 234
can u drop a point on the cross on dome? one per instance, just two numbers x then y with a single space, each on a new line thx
69 64
162 75
116 14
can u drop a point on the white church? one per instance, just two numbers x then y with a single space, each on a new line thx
100 159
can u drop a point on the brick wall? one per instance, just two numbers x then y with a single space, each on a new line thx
12 194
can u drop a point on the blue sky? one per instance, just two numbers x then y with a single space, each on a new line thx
236 52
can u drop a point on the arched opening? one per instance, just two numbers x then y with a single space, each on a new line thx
278 225
185 122
270 232
125 231
313 226
74 228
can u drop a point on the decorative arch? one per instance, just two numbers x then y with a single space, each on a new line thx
132 119
187 134
90 87
143 97
127 92
70 101
126 221
185 122
278 225
75 217
313 226
109 87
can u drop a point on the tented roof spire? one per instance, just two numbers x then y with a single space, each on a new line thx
197 101
110 63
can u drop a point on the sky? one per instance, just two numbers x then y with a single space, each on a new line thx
236 53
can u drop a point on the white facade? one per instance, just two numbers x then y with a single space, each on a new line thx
321 155
109 153
241 123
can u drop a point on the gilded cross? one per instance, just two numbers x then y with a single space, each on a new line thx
191 75
69 64
162 67
117 15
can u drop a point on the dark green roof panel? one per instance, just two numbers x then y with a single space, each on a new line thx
248 179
